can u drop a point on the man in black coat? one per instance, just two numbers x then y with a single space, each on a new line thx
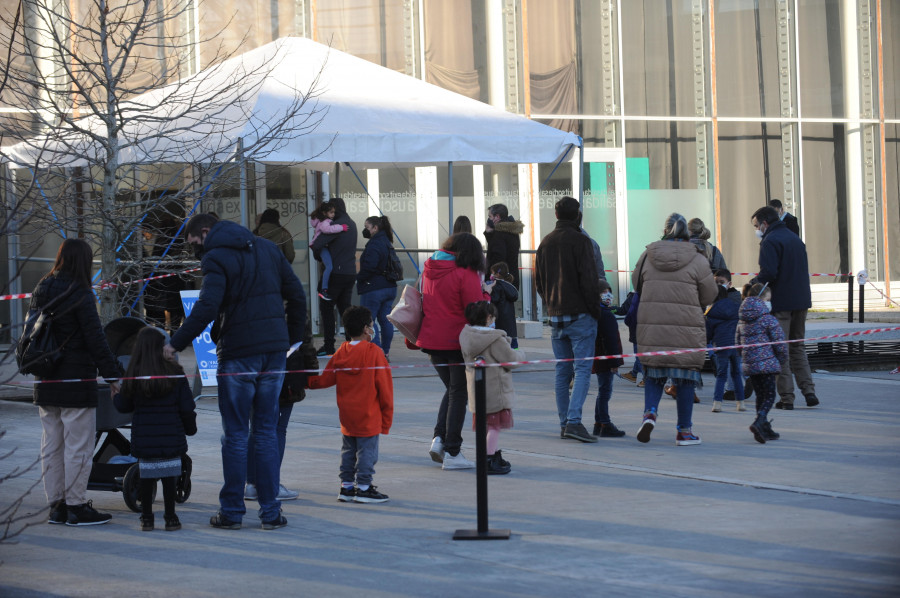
790 221
502 235
343 274
783 265
248 286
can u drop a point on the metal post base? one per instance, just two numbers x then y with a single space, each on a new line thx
474 534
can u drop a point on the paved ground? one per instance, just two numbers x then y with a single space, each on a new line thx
816 513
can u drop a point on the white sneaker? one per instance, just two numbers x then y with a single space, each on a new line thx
250 492
437 450
457 462
285 494
717 406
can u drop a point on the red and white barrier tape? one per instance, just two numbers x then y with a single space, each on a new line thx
877 290
109 285
505 364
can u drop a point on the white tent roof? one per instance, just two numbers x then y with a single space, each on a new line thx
370 116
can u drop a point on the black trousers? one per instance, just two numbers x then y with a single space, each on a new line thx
340 289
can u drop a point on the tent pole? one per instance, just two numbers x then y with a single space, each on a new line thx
243 167
581 173
337 180
450 202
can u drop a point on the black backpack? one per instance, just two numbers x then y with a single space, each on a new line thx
38 352
394 270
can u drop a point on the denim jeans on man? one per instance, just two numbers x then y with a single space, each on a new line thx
604 393
250 396
728 366
284 418
574 340
359 454
380 302
684 399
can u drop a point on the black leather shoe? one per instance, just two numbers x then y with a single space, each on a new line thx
812 401
785 406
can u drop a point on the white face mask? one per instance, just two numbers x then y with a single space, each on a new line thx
768 305
606 298
759 233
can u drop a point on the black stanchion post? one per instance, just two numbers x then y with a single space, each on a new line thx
481 489
850 299
862 307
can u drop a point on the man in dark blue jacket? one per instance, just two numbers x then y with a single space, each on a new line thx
246 282
783 265
343 275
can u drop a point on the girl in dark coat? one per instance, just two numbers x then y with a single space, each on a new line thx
504 296
608 342
163 410
68 410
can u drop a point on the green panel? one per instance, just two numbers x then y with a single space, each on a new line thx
637 173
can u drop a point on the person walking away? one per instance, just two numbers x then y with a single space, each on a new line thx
762 362
68 410
164 415
567 281
343 276
700 236
480 337
462 224
502 234
376 291
674 281
790 221
784 267
365 400
721 322
608 342
322 222
504 296
248 288
270 228
452 280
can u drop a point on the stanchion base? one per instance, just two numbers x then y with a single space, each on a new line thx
474 534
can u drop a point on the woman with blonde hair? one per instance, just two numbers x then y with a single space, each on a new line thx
700 237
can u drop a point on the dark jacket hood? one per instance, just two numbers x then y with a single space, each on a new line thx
228 234
670 256
752 309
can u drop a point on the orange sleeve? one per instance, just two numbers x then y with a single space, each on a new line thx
384 389
325 379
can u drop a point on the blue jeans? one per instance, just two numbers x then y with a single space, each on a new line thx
359 454
728 361
684 400
244 400
325 254
379 303
284 418
575 341
604 392
636 368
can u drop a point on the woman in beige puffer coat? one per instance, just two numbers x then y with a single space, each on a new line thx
675 283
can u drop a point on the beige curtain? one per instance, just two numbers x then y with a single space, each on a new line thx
551 55
450 47
360 28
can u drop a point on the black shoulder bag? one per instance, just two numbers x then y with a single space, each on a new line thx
38 352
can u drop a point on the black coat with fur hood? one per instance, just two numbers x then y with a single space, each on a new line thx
503 246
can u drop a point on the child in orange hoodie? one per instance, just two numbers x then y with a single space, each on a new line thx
365 399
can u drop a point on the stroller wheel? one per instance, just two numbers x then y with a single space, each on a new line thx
183 483
131 488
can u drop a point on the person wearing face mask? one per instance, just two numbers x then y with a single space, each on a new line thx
375 288
763 362
608 343
248 289
784 267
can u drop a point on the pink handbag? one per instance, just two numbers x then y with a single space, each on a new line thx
407 314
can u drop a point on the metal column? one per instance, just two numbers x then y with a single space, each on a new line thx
409 37
608 46
511 54
699 52
867 99
786 100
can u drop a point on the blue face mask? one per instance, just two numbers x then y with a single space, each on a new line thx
768 305
492 325
606 298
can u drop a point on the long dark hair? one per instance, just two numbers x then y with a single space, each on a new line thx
147 360
467 249
74 258
462 225
383 225
321 213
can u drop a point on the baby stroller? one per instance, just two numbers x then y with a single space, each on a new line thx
114 469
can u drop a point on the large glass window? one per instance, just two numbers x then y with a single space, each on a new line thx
892 170
821 53
890 39
370 29
456 47
659 55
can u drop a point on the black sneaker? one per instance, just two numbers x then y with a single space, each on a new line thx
812 400
220 521
499 456
147 523
279 521
172 523
323 352
495 467
579 432
371 494
58 513
785 406
562 431
85 514
728 395
608 431
347 494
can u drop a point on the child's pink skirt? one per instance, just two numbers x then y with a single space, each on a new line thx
501 419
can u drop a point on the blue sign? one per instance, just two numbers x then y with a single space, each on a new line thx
204 347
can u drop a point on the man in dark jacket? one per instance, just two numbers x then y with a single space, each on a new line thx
784 267
567 281
790 221
502 235
343 275
246 282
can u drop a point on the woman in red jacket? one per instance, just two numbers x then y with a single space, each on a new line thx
453 278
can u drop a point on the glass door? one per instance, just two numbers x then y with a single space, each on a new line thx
605 215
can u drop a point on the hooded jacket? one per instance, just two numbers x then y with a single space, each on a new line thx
503 245
757 325
608 342
493 345
784 266
373 263
446 291
342 246
565 274
280 236
674 282
721 322
77 328
246 282
504 296
365 396
160 424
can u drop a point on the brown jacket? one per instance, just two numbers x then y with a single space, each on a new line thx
675 283
565 273
494 346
